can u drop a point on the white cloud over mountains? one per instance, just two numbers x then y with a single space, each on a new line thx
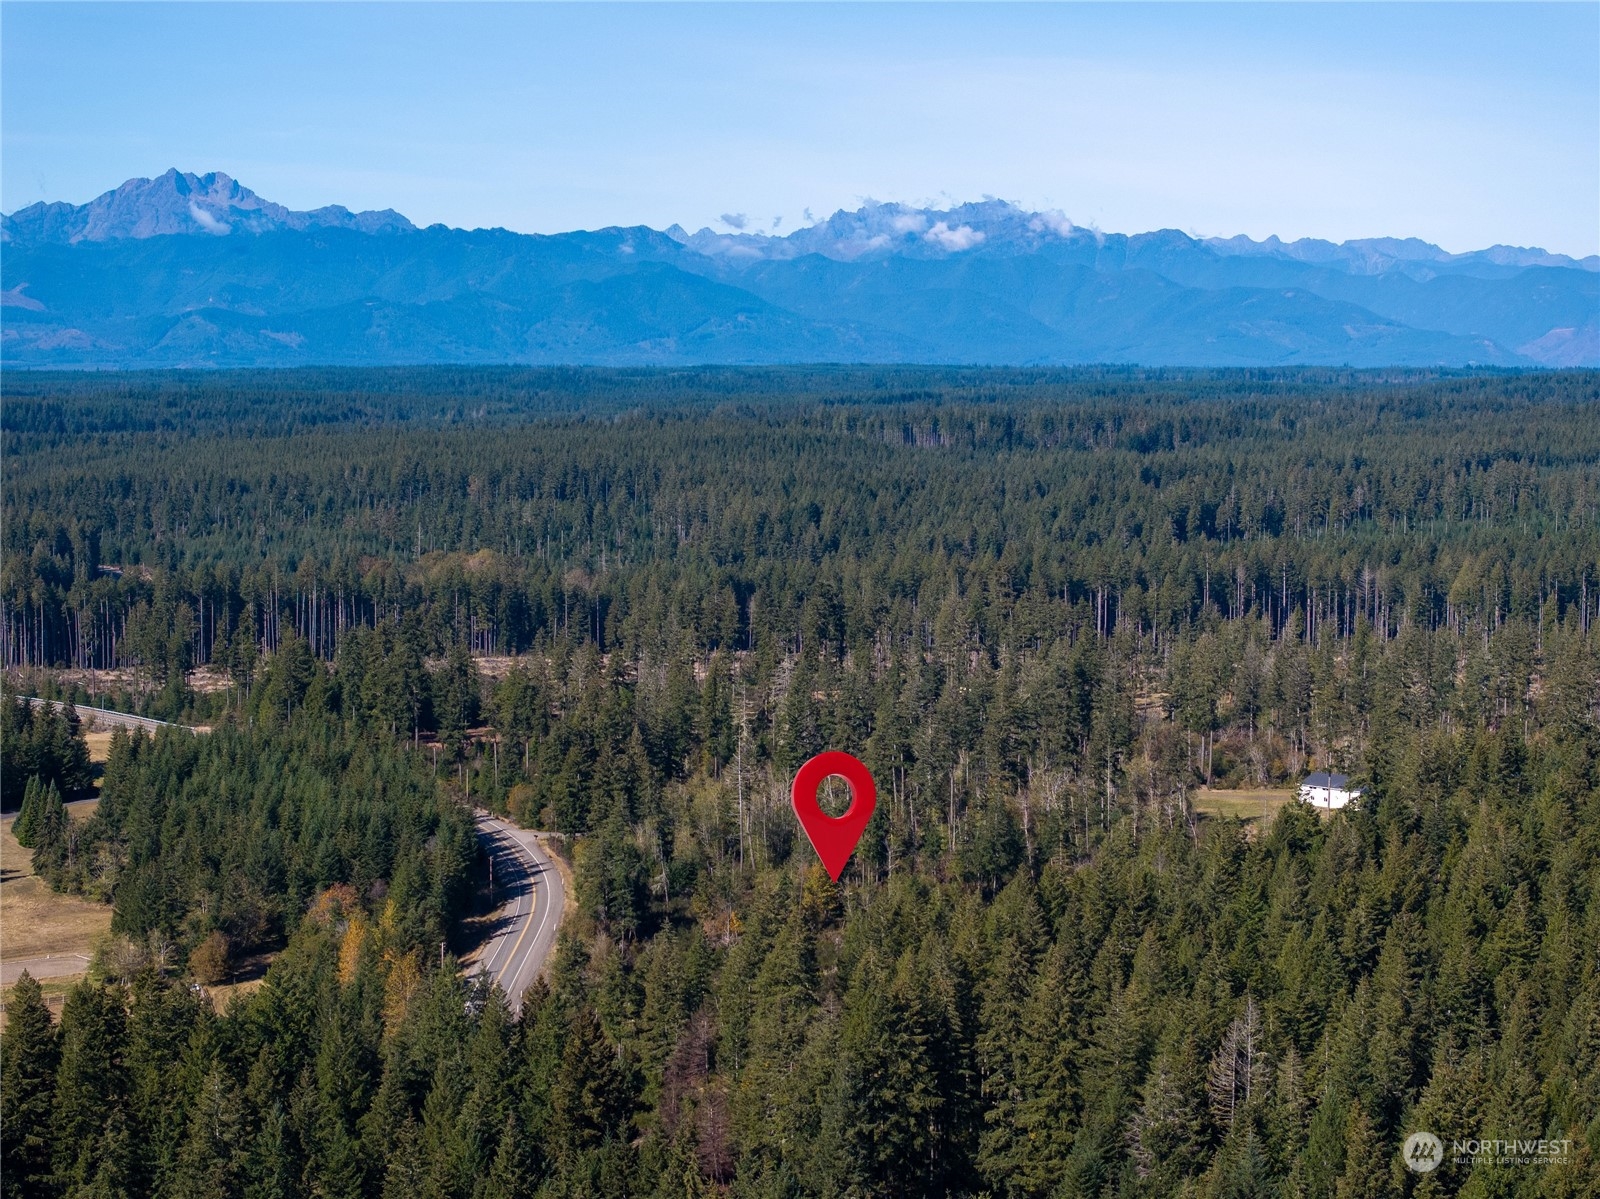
1055 221
206 221
962 237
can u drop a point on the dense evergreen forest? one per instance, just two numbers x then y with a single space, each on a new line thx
1045 608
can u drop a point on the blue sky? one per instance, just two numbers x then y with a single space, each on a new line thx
1464 124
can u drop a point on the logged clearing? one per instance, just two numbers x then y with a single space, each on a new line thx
1242 805
48 934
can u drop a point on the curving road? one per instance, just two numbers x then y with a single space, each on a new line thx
533 897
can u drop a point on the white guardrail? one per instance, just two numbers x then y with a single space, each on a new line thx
105 717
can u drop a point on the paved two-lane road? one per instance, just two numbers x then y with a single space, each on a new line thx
532 895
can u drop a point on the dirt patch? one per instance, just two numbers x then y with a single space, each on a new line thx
208 680
491 667
98 684
246 975
223 995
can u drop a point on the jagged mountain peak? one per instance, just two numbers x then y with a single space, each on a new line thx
181 202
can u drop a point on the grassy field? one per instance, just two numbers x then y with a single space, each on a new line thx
34 920
53 936
99 746
1242 805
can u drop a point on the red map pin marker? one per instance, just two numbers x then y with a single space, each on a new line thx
834 837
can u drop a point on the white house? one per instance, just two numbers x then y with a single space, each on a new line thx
1322 790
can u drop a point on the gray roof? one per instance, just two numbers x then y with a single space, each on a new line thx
1337 782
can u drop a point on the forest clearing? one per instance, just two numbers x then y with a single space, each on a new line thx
1258 805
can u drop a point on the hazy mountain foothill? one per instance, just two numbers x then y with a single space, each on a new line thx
197 270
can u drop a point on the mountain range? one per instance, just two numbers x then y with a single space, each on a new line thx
196 270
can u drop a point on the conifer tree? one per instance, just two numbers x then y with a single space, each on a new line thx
269 1166
591 1100
29 1055
1366 1165
1167 1133
889 1095
1047 1061
26 825
211 1160
52 837
110 1161
91 1086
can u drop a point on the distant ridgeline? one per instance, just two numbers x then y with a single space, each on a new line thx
196 270
1045 608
